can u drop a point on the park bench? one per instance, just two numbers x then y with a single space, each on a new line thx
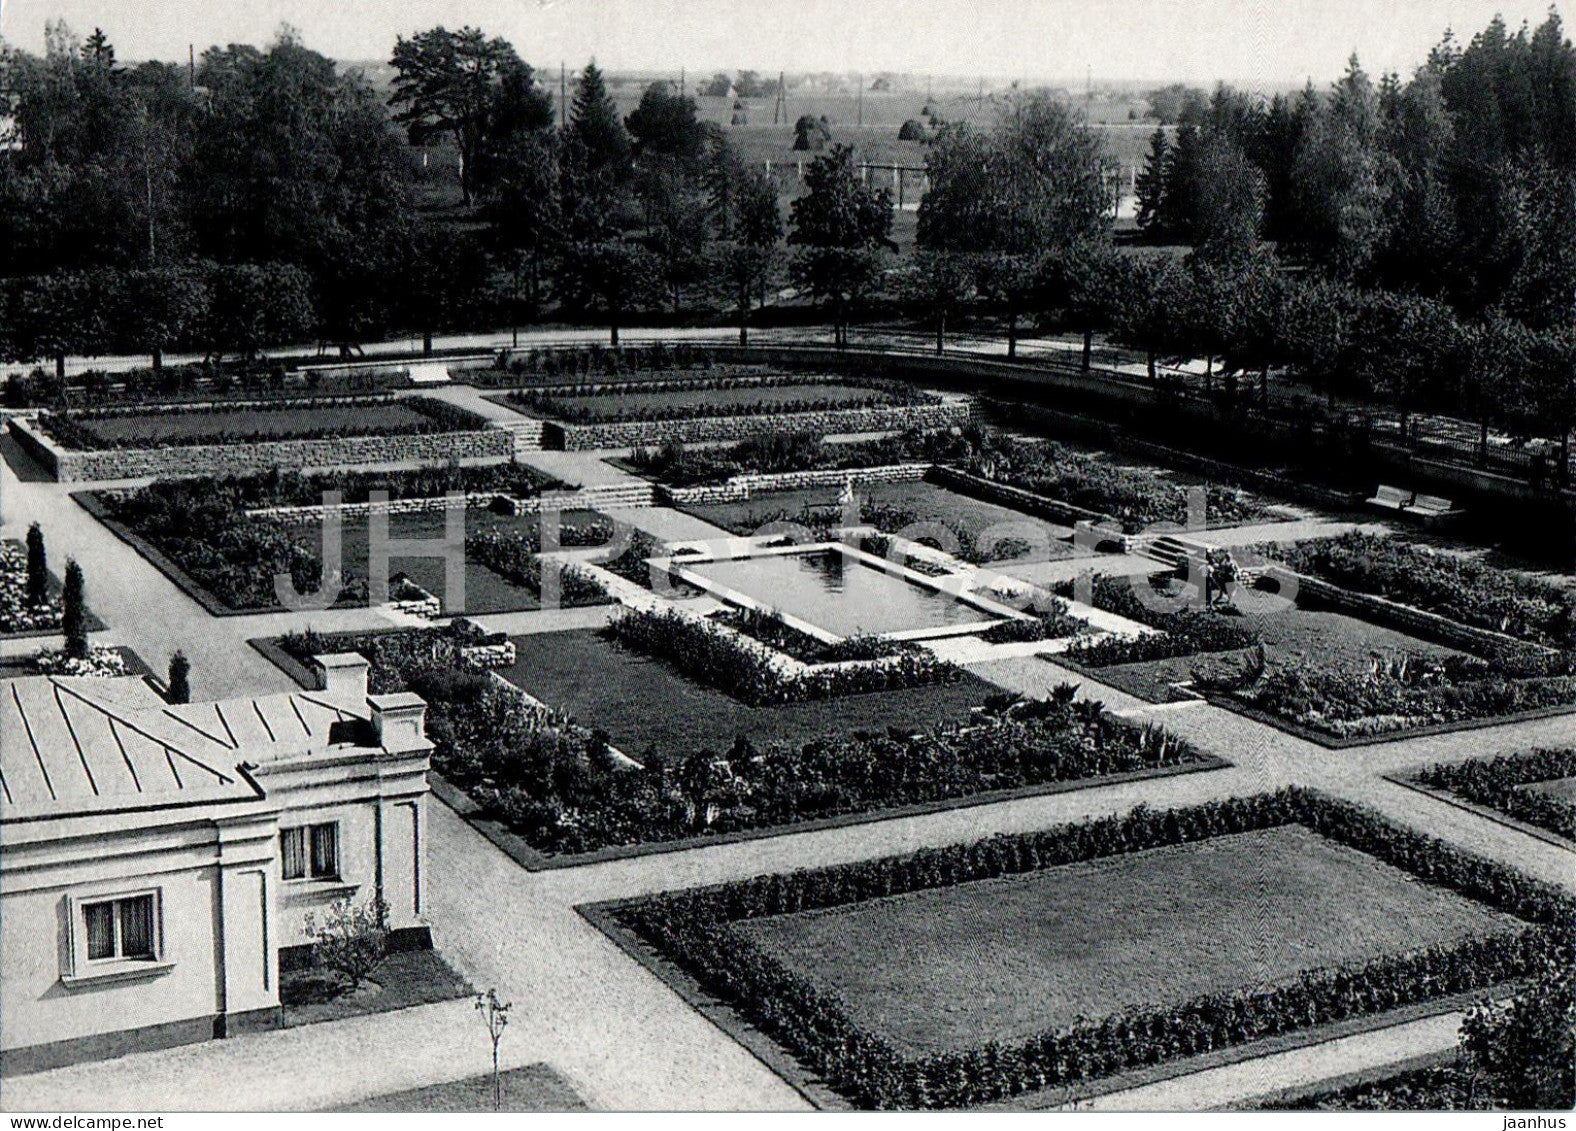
1432 507
1391 498
1429 508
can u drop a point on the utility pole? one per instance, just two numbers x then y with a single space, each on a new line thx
563 95
781 106
191 64
681 82
861 111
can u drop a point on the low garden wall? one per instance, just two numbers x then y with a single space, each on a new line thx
1417 622
742 487
239 459
1016 498
725 429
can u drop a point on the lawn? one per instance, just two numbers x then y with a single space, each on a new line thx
485 590
1007 958
644 705
138 429
536 1087
1297 637
403 979
914 502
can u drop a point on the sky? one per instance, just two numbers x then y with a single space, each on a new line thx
1264 42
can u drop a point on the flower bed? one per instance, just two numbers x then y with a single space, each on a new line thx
698 931
1136 497
551 780
309 419
590 362
1052 620
17 613
1500 784
1453 586
721 656
678 466
712 396
1400 692
216 534
774 632
1186 632
514 555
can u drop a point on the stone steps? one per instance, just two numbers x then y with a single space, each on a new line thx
606 495
527 434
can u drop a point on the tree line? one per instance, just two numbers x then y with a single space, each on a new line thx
1410 242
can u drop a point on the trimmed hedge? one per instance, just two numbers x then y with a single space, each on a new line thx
692 929
753 672
1496 783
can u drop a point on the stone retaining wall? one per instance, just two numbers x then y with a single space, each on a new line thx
1429 626
70 466
1017 498
730 429
742 487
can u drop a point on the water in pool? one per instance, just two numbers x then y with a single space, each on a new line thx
841 595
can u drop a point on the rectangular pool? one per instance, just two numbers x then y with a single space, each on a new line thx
840 594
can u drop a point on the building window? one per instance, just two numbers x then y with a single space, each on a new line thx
310 852
120 929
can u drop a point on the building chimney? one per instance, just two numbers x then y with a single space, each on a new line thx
343 675
399 720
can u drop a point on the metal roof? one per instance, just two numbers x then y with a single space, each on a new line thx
76 745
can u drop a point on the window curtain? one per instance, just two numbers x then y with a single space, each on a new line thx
136 927
325 851
292 853
101 929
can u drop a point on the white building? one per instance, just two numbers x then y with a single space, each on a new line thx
156 859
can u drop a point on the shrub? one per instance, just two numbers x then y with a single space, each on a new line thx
726 659
351 940
37 567
1496 783
180 688
74 612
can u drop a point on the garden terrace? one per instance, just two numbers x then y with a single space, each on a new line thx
166 425
174 383
202 534
710 396
1460 588
971 529
1052 480
1333 672
1174 933
284 488
660 361
1536 788
712 766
